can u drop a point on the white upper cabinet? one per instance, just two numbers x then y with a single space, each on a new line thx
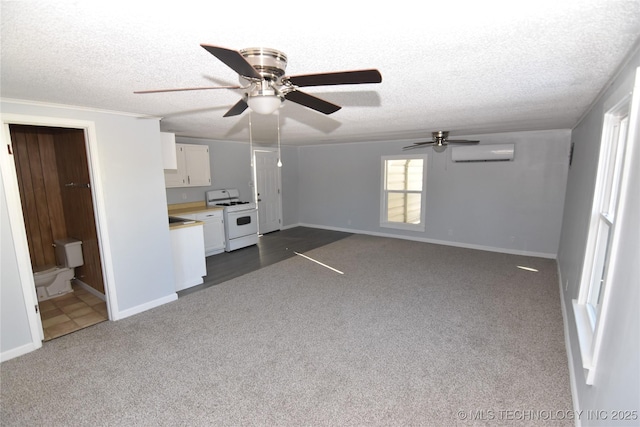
168 143
193 167
197 165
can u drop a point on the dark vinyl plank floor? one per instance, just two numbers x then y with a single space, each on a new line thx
271 248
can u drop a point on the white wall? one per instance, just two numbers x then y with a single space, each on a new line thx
513 206
130 182
617 382
15 333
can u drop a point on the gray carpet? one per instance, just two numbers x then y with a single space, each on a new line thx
410 335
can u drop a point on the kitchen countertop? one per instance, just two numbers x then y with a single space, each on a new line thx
191 207
189 223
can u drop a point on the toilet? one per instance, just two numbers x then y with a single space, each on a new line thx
53 281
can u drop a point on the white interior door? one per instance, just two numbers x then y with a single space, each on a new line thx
267 191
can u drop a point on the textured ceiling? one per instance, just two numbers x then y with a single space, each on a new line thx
465 66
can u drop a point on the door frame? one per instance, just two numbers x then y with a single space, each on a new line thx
18 230
255 180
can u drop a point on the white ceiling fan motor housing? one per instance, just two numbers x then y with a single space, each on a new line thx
263 96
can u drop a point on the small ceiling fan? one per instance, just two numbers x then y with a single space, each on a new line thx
262 77
439 142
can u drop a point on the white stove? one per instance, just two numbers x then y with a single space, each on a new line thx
240 218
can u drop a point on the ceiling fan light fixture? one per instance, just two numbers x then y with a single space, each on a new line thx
439 148
264 104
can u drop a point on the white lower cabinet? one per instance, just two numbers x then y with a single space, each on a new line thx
214 241
187 247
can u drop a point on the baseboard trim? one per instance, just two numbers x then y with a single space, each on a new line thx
19 351
91 290
146 306
433 241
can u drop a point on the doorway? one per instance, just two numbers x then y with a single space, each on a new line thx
56 197
267 178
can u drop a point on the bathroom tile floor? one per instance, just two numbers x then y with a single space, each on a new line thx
71 312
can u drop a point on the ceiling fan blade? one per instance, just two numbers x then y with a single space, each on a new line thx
338 78
234 60
237 109
312 102
187 88
418 145
460 141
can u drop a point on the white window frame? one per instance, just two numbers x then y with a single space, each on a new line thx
590 308
383 194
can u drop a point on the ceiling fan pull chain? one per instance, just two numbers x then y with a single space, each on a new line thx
250 142
279 157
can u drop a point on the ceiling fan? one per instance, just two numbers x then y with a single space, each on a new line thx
262 77
439 142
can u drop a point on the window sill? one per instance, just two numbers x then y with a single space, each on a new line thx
585 338
403 226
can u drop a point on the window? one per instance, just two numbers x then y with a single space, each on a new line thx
402 199
589 308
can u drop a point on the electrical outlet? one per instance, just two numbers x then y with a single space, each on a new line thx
184 196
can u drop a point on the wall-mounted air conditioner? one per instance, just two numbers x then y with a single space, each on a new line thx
482 153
